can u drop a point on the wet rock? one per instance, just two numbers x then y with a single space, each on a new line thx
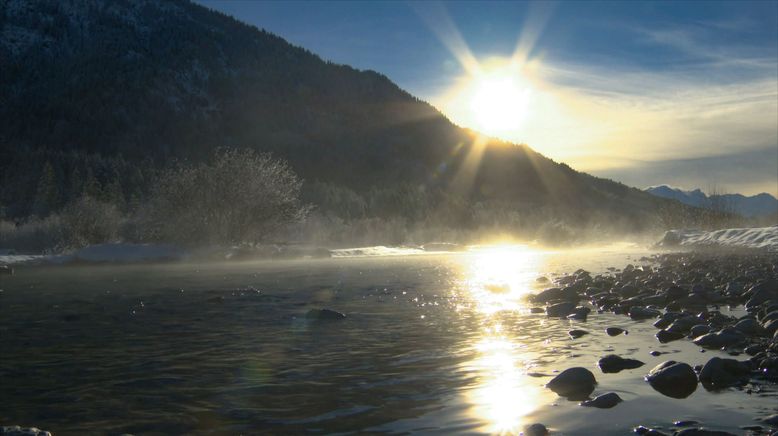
551 294
655 353
638 312
685 423
749 326
771 327
665 336
720 339
645 431
699 330
604 401
613 364
575 334
574 383
771 420
536 310
324 315
535 430
15 430
718 372
673 379
674 293
683 324
614 331
560 310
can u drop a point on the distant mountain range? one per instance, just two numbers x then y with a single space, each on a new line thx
105 90
756 205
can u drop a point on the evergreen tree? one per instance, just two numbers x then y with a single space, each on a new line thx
47 196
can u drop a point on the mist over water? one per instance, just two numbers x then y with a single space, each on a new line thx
431 343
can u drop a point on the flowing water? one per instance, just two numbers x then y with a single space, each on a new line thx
431 344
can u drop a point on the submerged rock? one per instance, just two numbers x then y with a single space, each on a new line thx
324 315
575 334
673 379
574 383
604 401
613 363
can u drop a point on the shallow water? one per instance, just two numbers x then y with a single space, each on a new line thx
431 344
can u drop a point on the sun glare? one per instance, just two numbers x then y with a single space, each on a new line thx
499 102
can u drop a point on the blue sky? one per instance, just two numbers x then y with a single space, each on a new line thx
622 89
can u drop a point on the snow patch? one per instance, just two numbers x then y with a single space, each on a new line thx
757 237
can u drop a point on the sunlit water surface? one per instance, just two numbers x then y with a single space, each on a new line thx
431 343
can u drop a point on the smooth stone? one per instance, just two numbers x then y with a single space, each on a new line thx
324 314
560 310
535 430
655 353
638 312
665 336
575 334
749 326
614 331
574 383
613 364
604 401
719 339
673 379
720 372
683 324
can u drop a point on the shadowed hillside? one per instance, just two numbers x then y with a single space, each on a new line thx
99 95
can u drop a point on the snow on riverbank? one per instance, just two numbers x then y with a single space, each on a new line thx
102 253
765 238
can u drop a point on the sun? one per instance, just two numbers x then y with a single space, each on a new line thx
499 102
495 98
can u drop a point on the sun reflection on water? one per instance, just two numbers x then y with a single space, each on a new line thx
501 276
497 279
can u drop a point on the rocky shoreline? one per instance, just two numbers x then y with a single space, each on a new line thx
681 293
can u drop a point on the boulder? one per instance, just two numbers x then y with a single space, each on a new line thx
665 336
673 379
574 383
639 312
718 373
